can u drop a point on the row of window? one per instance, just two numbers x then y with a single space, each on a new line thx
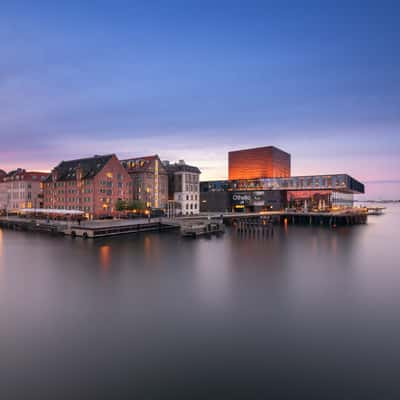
191 178
191 188
188 197
20 195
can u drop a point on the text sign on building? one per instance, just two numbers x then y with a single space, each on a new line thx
241 198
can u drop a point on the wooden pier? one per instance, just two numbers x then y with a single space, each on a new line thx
202 228
30 225
97 229
257 227
87 229
324 219
261 224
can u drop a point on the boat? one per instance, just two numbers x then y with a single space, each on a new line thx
375 210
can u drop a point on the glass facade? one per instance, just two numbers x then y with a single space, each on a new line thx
341 183
311 192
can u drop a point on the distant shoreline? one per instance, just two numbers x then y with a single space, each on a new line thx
377 201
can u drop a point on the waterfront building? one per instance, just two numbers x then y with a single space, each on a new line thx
150 180
93 185
274 188
22 189
260 162
184 187
3 191
310 192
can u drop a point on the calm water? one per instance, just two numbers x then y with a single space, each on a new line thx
311 313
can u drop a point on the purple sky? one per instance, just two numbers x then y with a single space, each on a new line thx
193 82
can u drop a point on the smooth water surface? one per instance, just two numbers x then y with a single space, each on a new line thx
311 313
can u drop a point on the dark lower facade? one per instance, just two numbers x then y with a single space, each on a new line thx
267 200
306 193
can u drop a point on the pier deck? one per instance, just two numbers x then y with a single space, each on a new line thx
102 228
88 229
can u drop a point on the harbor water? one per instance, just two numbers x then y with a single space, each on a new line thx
309 312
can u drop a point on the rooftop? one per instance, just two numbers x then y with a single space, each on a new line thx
66 170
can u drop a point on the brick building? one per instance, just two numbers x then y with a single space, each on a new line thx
92 185
150 180
3 191
22 189
260 162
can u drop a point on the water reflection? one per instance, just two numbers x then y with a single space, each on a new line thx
1 252
308 302
105 257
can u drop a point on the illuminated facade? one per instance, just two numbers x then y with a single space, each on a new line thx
150 180
3 191
260 162
22 189
93 185
310 192
259 179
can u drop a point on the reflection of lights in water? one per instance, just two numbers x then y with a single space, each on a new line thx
105 257
147 246
1 249
334 245
285 225
314 246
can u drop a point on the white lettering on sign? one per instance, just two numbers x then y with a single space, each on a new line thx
241 197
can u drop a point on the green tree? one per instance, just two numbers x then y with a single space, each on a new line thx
136 205
121 205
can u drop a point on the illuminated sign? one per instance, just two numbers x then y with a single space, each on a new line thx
241 197
255 198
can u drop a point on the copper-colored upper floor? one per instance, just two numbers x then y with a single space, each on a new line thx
260 162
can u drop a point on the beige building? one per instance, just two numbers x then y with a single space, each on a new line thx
24 189
150 180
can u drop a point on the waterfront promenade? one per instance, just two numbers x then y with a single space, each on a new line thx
112 227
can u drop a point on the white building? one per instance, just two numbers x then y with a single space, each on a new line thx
184 187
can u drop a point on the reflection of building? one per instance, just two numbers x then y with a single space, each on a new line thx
184 187
150 180
261 162
22 189
93 185
275 193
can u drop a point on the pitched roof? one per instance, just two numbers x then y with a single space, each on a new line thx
182 167
66 170
23 175
141 164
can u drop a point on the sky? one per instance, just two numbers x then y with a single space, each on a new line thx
194 79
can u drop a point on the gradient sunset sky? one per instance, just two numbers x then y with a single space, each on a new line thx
194 79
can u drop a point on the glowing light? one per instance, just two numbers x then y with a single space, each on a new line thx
105 257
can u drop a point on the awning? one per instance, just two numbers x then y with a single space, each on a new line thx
50 211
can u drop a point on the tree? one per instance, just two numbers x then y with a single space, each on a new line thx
121 205
136 205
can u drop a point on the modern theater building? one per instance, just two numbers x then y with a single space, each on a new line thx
260 180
